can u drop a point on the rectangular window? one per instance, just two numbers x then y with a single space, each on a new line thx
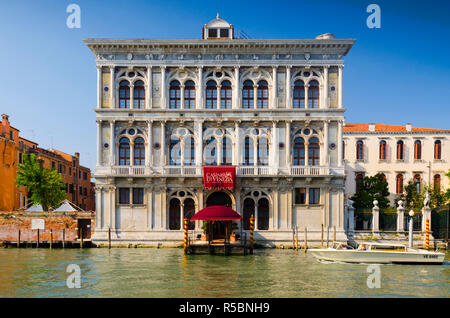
81 190
212 33
70 171
60 168
314 194
20 157
124 196
224 33
300 195
71 188
53 165
85 175
138 196
85 191
11 135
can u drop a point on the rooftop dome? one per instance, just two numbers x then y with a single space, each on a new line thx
326 36
218 29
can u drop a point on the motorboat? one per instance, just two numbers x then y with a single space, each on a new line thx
378 253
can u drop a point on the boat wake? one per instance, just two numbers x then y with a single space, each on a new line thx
347 263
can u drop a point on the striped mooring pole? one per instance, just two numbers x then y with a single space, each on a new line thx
252 227
185 234
427 234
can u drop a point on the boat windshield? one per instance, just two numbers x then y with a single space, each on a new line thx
396 248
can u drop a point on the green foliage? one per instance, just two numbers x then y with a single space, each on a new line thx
370 189
45 185
414 200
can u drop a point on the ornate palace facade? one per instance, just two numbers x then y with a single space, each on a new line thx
270 111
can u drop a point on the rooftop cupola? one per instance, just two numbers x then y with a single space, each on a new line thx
218 29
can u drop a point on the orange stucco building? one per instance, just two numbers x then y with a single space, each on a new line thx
77 178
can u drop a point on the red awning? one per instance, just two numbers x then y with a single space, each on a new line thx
216 213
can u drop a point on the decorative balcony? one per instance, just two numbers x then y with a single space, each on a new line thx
196 171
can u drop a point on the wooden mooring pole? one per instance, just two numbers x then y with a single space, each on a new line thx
81 237
334 233
18 239
64 238
251 233
321 235
293 237
185 235
306 239
51 238
328 234
37 245
296 238
109 238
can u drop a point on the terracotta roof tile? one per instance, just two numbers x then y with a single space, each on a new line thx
349 127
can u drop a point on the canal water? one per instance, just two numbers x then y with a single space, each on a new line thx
167 272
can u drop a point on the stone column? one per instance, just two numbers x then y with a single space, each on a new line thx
112 89
99 142
98 207
181 96
375 217
288 87
199 145
325 84
236 89
112 191
288 143
306 96
148 157
218 88
112 156
274 152
274 88
149 190
306 153
255 96
339 144
340 86
131 96
400 217
237 144
148 95
163 87
325 143
99 86
200 88
163 143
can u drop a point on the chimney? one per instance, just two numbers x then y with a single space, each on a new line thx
77 154
5 127
372 127
408 127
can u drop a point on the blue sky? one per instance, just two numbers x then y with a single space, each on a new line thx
395 75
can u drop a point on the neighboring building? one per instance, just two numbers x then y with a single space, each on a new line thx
265 114
401 153
12 146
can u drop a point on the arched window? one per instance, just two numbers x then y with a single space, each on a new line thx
189 211
359 150
124 94
313 94
417 150
418 182
174 95
211 95
299 152
139 95
358 180
437 182
175 152
124 152
437 150
263 214
400 150
225 95
211 152
299 94
226 151
313 152
247 95
248 151
139 152
174 214
189 152
399 184
263 151
262 95
189 95
248 211
382 150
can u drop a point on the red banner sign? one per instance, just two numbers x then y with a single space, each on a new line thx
219 177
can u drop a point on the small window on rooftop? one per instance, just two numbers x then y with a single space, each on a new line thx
224 33
212 33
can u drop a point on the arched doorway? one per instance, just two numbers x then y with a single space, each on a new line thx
219 198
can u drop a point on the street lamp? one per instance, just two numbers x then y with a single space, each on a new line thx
411 214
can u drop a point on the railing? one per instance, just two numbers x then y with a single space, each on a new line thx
198 171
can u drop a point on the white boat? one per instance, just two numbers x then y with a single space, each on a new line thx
378 253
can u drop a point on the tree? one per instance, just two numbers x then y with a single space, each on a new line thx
370 189
45 185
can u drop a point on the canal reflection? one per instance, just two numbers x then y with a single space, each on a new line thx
167 272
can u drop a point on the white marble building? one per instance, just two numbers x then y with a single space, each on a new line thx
273 109
401 153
